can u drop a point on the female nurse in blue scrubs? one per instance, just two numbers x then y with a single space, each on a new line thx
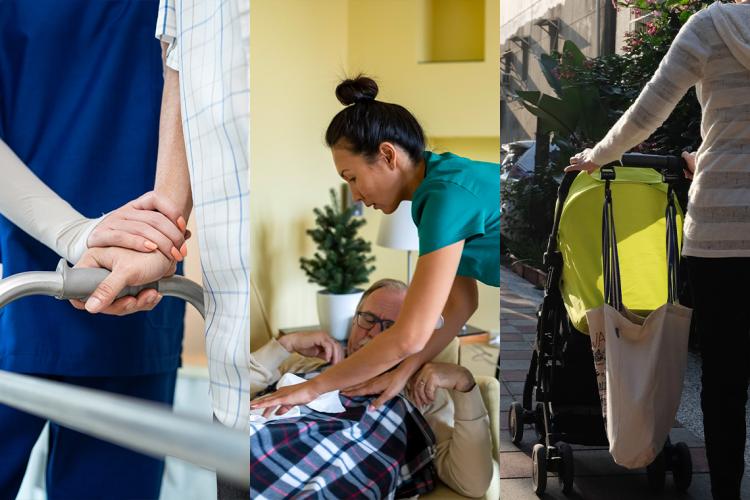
379 150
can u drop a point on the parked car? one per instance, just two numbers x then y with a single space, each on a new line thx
518 161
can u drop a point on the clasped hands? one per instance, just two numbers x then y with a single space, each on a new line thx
140 242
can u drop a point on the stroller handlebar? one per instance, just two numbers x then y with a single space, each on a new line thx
670 166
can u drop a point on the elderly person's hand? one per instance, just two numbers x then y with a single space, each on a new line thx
128 268
690 160
145 224
433 376
581 162
316 344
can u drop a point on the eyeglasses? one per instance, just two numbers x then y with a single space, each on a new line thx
367 320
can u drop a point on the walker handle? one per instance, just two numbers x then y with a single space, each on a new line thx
79 283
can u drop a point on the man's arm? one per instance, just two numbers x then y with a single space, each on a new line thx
459 420
172 174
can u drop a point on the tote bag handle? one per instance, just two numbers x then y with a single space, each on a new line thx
611 259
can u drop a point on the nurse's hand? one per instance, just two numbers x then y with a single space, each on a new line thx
145 224
581 162
129 268
387 385
286 398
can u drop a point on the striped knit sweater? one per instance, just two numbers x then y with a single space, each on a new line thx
712 52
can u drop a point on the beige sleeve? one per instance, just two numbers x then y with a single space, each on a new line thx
268 363
464 444
264 366
681 68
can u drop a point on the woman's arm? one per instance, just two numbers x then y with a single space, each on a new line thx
681 68
425 300
462 302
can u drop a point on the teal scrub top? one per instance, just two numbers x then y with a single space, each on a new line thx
459 199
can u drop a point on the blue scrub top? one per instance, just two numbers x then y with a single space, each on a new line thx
80 92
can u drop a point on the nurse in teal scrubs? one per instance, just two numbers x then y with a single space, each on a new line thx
379 150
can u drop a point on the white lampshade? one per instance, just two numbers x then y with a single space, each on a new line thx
397 230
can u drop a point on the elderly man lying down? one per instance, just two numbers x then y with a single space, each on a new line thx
449 434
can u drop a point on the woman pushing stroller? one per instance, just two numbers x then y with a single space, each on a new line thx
712 52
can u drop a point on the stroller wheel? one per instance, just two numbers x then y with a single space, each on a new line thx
567 468
657 471
516 423
539 470
682 468
539 421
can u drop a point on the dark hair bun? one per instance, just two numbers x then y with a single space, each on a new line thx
360 89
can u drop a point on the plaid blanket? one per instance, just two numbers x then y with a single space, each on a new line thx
386 453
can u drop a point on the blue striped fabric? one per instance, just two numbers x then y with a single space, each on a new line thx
209 46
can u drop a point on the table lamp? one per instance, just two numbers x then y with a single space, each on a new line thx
398 231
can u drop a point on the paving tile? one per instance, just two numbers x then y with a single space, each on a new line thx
515 388
677 435
520 489
514 364
510 337
515 464
515 354
514 346
513 375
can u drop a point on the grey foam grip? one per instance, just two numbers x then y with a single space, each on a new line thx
80 283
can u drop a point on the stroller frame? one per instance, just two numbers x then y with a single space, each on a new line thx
554 329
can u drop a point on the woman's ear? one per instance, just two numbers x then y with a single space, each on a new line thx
389 152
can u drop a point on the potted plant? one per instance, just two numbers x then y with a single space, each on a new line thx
340 265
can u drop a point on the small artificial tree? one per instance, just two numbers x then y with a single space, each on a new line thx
341 260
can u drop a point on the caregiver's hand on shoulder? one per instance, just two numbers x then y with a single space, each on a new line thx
128 268
690 160
145 224
386 385
433 376
316 344
580 162
286 398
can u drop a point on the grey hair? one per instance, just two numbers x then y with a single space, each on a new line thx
389 283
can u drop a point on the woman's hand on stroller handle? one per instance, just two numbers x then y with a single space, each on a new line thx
580 162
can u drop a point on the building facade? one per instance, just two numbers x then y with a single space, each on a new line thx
529 28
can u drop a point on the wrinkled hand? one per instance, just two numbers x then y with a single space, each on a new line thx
387 385
286 398
432 376
313 344
690 160
128 268
145 224
580 162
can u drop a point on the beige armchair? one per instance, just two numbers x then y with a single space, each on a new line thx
261 332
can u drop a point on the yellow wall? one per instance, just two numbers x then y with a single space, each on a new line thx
458 99
453 30
295 66
297 55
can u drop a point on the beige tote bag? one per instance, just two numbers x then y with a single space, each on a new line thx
640 362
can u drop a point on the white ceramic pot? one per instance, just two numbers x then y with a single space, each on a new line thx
335 312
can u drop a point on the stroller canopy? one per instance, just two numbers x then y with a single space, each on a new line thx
639 198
